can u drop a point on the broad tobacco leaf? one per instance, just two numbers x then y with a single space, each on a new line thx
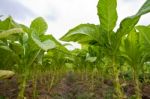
39 26
128 23
45 45
6 33
145 33
131 48
144 39
5 74
83 33
107 14
90 58
8 23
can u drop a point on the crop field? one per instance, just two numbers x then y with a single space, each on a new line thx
111 63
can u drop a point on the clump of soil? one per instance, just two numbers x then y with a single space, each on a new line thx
70 86
9 88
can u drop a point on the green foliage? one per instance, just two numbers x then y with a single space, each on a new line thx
131 48
107 13
22 43
45 45
83 33
5 74
39 26
6 33
110 41
8 23
144 34
103 51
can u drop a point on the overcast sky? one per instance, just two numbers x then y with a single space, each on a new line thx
62 15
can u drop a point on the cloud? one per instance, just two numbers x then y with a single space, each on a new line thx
15 9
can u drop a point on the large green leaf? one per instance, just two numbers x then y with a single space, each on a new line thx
145 33
45 45
59 46
9 32
83 33
17 48
144 40
107 14
6 48
5 74
7 57
49 36
90 58
144 9
131 49
128 23
39 25
8 23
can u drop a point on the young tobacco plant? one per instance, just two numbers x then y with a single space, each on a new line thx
23 47
104 34
9 34
34 43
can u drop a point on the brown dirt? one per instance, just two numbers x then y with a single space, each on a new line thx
69 87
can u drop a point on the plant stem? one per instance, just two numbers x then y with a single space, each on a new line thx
34 87
117 85
52 81
22 86
137 85
92 80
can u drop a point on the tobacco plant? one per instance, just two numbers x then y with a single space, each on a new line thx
26 46
104 34
104 51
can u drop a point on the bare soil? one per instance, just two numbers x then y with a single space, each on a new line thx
68 87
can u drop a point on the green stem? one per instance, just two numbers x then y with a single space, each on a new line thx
92 80
143 72
22 86
137 84
117 85
52 81
86 73
34 87
33 58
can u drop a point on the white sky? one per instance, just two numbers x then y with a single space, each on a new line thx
63 15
